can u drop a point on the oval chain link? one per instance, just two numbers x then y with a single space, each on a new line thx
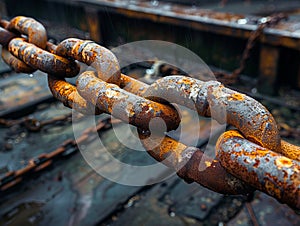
36 34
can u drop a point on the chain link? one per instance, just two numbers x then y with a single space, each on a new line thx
255 158
264 169
36 57
15 63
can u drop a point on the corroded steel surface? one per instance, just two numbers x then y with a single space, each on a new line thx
44 160
193 165
90 53
15 63
42 60
199 23
35 30
213 99
36 34
289 150
132 85
69 96
264 169
124 105
61 186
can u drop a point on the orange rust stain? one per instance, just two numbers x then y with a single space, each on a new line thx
252 154
283 162
225 136
290 150
262 153
236 97
208 163
272 189
186 81
135 14
296 177
231 134
170 146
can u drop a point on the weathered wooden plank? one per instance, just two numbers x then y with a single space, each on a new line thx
21 92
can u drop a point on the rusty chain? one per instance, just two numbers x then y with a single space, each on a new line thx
253 157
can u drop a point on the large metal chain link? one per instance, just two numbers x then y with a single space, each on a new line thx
254 157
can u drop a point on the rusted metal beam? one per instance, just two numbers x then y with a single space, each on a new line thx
200 19
268 67
94 24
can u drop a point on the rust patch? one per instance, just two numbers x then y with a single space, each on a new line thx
208 163
283 162
236 97
290 150
256 164
272 189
